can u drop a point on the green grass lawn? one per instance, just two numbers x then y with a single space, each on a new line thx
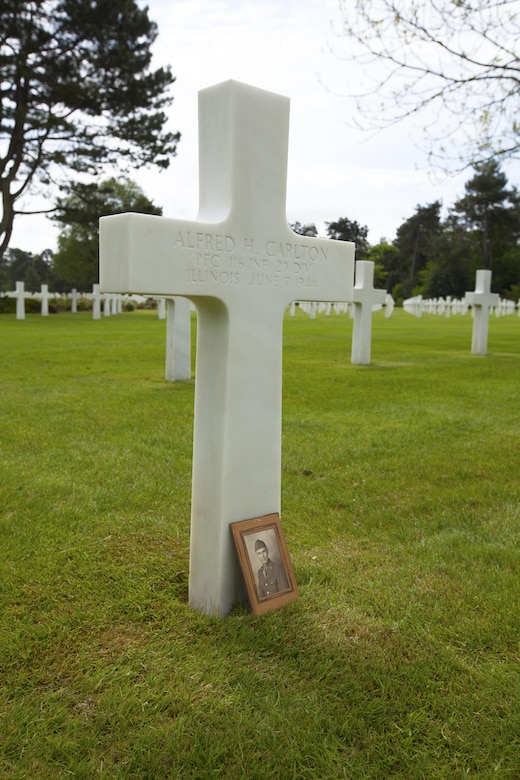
401 511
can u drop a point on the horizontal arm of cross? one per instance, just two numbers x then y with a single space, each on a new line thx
152 255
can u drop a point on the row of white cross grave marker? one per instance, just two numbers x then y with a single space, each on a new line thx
241 265
112 304
177 312
482 302
452 306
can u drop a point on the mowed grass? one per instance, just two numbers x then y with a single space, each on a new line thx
401 511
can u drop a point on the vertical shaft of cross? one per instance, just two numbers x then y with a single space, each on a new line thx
237 433
364 297
236 443
238 140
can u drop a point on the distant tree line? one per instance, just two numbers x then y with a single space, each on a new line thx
437 257
76 262
430 255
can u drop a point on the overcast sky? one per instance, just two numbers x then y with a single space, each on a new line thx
283 46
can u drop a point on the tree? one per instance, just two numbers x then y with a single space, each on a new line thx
383 255
346 230
454 62
304 230
20 266
77 93
490 212
416 244
76 263
82 204
449 269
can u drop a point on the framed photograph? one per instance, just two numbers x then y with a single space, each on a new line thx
265 563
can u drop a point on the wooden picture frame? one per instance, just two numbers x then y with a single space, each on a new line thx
265 563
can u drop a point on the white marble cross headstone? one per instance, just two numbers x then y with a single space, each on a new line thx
481 300
178 339
364 297
44 297
20 296
96 302
389 305
241 265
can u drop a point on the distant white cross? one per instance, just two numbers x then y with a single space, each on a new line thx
241 265
364 297
44 297
96 302
481 300
20 296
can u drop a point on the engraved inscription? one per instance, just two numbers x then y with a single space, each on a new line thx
224 260
208 275
296 251
189 239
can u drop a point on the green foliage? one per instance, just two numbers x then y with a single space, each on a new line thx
305 230
349 230
33 270
78 93
490 213
400 508
415 242
438 257
77 261
450 268
384 256
8 306
383 253
82 204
